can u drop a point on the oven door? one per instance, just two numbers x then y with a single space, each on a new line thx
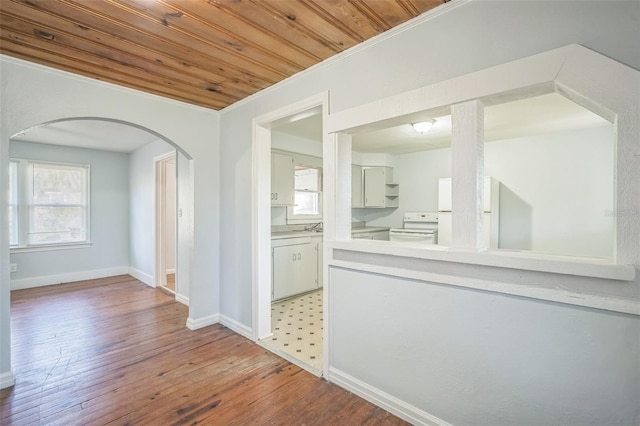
412 236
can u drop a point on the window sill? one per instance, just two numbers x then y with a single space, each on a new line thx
528 261
49 247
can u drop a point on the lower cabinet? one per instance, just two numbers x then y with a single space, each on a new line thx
295 266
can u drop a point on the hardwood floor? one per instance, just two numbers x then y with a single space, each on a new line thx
115 351
171 282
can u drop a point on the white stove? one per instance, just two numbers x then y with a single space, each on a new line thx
418 227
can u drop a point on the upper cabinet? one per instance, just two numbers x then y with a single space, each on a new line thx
282 180
379 188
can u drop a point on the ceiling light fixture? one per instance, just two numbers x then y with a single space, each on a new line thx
423 126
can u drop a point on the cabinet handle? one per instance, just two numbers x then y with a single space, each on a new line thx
276 194
294 257
299 256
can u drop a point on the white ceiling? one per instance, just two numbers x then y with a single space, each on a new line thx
527 117
95 134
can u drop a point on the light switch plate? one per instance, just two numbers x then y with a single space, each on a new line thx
13 267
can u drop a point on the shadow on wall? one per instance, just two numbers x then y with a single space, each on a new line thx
515 221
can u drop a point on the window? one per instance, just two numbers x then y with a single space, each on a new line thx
49 203
308 194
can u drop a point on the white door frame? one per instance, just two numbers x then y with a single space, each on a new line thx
160 278
261 204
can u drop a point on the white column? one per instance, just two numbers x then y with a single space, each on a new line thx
467 142
337 187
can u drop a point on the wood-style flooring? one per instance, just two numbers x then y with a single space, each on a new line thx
115 351
171 282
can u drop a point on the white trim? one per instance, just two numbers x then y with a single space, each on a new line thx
195 324
293 360
170 271
182 299
142 276
560 70
261 204
382 399
596 301
50 247
236 326
7 379
393 32
525 261
41 281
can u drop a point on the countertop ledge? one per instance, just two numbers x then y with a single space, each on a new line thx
587 267
299 234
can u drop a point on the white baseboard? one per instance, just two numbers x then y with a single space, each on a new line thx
170 271
142 276
7 379
70 277
194 324
382 399
236 326
182 299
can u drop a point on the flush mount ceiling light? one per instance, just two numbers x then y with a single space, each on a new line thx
423 126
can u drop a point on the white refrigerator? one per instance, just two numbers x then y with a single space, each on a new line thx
491 222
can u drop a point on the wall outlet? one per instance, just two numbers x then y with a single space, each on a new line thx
13 267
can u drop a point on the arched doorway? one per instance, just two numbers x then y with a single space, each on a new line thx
139 145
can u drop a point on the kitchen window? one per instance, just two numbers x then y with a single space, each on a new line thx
308 194
48 203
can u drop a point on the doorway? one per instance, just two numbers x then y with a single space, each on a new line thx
165 222
262 215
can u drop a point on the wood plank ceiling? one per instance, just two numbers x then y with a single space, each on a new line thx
208 53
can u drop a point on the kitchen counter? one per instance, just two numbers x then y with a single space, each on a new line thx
301 233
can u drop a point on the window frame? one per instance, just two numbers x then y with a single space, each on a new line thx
25 205
297 218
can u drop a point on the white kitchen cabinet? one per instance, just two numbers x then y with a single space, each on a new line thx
282 180
379 189
357 198
295 269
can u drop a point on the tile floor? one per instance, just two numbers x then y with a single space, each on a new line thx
296 324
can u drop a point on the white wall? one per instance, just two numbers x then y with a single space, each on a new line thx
556 190
470 357
109 190
287 142
33 94
142 210
494 33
